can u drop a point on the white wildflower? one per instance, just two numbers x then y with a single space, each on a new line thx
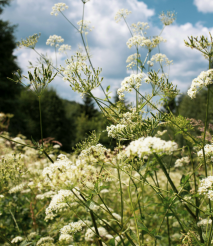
72 227
58 204
117 216
84 26
17 239
96 151
208 149
58 7
132 60
204 79
150 44
168 18
90 233
160 58
206 187
65 238
43 240
145 146
45 195
204 222
122 13
138 29
134 80
180 162
17 188
159 133
54 40
63 49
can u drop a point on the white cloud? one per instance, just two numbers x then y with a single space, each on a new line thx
204 6
108 40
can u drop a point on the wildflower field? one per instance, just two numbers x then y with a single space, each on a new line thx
146 191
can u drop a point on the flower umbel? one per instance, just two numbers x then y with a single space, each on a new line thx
29 42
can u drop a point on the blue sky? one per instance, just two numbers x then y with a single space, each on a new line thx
107 41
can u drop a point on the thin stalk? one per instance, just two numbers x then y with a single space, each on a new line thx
94 223
197 203
210 235
40 116
121 194
172 184
168 118
133 210
168 230
56 55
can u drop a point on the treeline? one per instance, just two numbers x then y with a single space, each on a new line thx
66 121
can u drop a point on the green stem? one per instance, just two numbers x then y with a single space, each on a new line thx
172 184
168 230
133 211
94 223
40 116
167 117
121 194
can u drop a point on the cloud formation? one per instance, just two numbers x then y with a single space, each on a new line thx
107 41
204 6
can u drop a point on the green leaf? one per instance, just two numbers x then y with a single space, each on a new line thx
111 242
108 88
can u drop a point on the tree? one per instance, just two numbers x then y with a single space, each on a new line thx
9 91
88 107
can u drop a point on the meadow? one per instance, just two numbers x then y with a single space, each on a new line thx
149 190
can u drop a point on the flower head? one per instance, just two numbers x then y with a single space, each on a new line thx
168 18
58 7
54 39
122 13
29 42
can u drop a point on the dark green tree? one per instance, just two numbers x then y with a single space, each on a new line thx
54 121
88 107
9 91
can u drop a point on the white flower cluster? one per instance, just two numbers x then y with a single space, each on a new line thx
76 67
17 188
159 133
89 236
117 216
159 58
208 149
54 39
204 79
17 239
45 195
58 204
134 80
204 222
168 18
58 7
122 13
63 49
113 130
94 153
150 44
66 238
139 28
72 227
67 174
146 146
132 60
84 27
43 240
180 162
206 187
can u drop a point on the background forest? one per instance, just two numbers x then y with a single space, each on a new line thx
68 122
